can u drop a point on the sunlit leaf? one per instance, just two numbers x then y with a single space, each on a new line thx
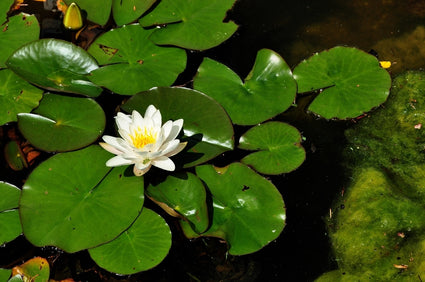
74 201
350 81
63 123
278 148
55 65
17 96
268 90
127 11
209 132
196 24
144 245
141 64
20 29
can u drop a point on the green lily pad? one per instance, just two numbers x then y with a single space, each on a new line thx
35 270
74 201
144 245
55 65
185 194
278 147
20 29
207 128
98 11
63 123
141 64
14 156
127 11
196 24
10 224
351 82
4 8
16 96
248 210
268 90
5 274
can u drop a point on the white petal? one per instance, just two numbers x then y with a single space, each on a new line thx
115 142
177 126
137 119
143 164
110 148
123 121
166 129
126 136
140 172
157 119
169 146
118 161
150 111
179 148
164 163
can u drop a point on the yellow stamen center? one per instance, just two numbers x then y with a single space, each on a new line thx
142 137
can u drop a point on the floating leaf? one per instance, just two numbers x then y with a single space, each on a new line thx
141 64
4 8
10 225
196 24
20 29
98 11
268 90
144 245
248 210
14 156
74 202
278 148
5 274
63 123
209 132
185 194
351 82
17 96
55 65
34 270
127 11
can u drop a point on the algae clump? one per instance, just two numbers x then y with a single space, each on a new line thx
378 229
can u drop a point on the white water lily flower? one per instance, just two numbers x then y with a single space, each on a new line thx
145 141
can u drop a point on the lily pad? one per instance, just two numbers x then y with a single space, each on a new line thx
144 245
4 8
55 65
63 123
248 210
351 82
196 24
19 30
16 96
268 90
14 156
74 201
208 132
5 274
98 11
141 64
10 225
185 194
278 147
35 270
127 11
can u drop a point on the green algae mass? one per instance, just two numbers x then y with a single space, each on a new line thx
377 230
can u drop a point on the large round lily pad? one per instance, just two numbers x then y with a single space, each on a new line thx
277 145
127 55
268 90
207 128
144 245
55 65
10 224
16 96
74 201
63 123
350 81
248 210
185 194
127 11
20 29
196 24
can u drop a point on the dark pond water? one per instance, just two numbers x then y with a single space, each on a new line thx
295 29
